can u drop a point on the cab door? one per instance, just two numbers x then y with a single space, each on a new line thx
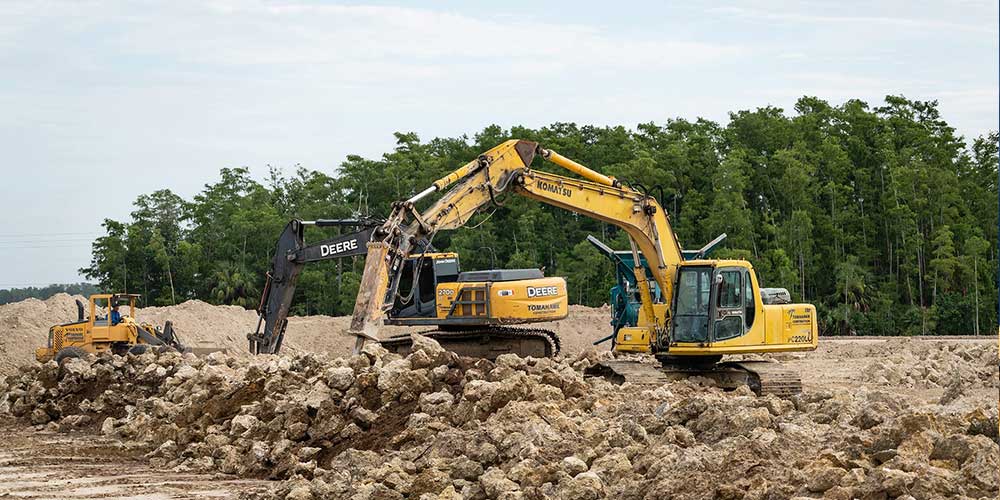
728 321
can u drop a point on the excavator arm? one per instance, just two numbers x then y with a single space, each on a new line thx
504 168
290 256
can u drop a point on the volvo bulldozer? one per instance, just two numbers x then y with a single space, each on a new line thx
117 333
470 313
706 308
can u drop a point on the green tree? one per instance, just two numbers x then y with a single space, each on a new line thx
880 215
232 284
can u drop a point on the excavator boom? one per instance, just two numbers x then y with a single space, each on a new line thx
290 255
507 167
719 309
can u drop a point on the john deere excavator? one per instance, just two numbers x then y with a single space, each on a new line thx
470 313
707 307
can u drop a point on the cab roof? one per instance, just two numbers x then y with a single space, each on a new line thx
718 263
115 296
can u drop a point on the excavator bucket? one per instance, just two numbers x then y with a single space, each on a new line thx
367 317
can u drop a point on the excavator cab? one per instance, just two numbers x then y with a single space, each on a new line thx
719 308
626 301
713 304
693 297
418 283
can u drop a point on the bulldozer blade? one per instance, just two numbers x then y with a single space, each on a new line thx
367 317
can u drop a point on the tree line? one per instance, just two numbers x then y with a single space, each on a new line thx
882 216
43 292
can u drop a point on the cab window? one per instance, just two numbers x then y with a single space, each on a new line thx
730 290
103 312
751 305
729 306
693 292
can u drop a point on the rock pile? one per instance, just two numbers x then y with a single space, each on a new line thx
24 327
915 363
432 425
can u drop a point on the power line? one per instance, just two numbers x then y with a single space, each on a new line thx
20 235
45 240
75 245
45 283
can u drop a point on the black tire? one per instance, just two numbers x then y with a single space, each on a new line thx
138 349
69 352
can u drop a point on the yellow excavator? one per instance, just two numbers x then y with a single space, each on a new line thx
707 308
471 313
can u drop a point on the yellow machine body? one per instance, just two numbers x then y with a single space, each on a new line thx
759 327
726 313
506 302
445 297
96 334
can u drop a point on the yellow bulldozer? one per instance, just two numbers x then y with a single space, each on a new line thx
106 329
706 308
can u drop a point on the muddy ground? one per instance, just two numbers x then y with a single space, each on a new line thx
878 418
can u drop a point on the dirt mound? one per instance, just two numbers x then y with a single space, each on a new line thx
24 327
923 364
379 425
200 324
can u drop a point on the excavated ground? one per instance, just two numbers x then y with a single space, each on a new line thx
878 418
80 464
24 327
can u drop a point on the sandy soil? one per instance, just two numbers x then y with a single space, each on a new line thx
844 381
24 327
874 412
35 464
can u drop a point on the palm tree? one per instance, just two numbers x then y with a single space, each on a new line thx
850 287
233 285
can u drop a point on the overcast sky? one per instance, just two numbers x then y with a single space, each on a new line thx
103 101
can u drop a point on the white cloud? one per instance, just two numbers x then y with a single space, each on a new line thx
169 92
368 43
805 13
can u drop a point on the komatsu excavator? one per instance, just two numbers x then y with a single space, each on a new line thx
470 313
707 308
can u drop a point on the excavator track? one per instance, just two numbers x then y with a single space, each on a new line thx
762 377
485 342
766 377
